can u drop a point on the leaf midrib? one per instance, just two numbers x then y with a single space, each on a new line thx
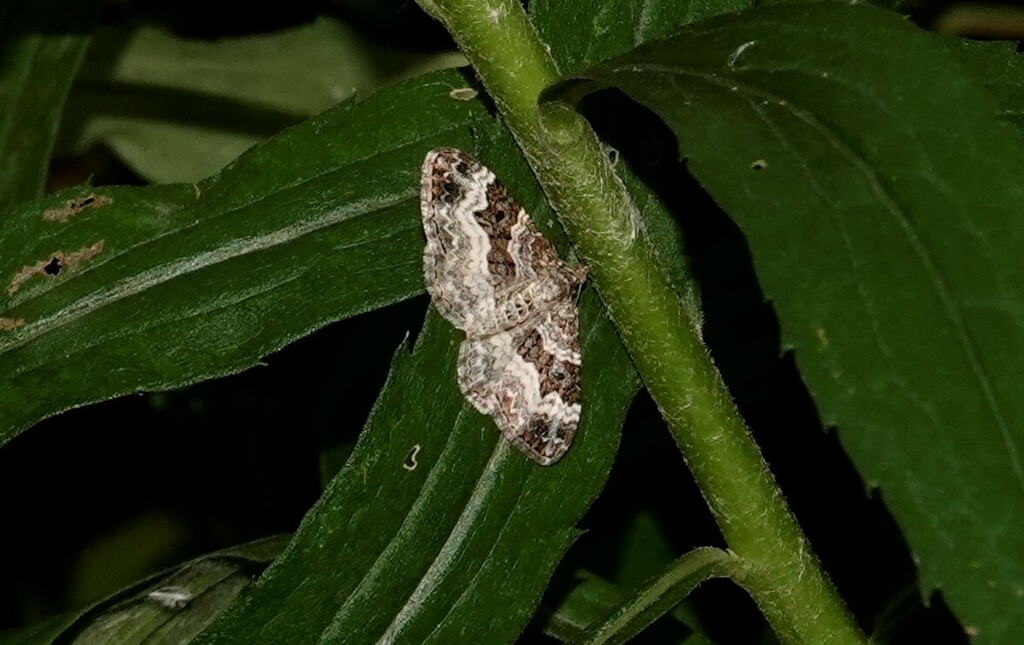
416 510
166 272
451 548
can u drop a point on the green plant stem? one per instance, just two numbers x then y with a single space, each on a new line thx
662 337
658 596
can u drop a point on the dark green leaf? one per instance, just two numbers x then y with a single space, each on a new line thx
884 220
590 601
436 520
584 32
119 290
172 606
661 593
38 40
1001 70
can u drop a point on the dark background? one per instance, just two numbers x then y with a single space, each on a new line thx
100 496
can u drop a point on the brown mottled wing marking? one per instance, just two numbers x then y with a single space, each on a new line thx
492 274
529 381
453 189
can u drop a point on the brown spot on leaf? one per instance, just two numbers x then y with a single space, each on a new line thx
54 264
74 207
7 324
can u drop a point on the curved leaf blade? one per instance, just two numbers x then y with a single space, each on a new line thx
589 599
119 290
659 595
38 40
998 67
583 33
468 525
170 606
883 218
436 520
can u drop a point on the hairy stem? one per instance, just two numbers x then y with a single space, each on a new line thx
662 336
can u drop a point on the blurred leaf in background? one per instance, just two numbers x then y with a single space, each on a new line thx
178 110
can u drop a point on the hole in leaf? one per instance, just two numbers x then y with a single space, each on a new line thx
59 261
74 207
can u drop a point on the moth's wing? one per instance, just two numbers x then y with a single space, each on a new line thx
480 370
552 348
464 212
535 254
528 380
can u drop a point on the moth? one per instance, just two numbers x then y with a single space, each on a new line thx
492 274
